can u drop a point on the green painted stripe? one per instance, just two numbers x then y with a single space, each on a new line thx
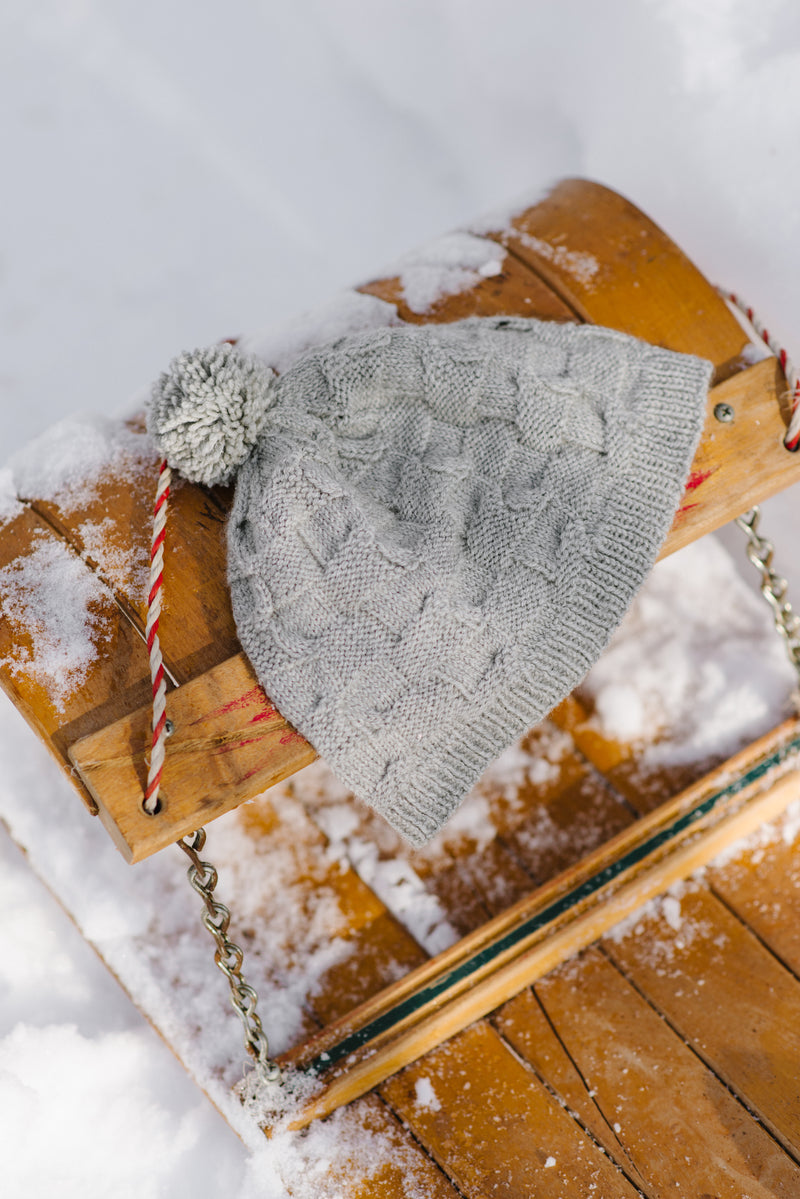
559 907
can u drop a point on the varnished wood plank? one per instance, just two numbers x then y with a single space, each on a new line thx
761 884
115 678
524 1025
112 529
229 744
405 1170
671 1117
515 291
728 997
492 965
375 948
738 464
613 266
644 788
568 826
494 1128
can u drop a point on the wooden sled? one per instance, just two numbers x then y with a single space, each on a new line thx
583 253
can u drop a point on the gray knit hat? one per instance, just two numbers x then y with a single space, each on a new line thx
435 530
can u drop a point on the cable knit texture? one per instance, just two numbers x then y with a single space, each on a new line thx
438 530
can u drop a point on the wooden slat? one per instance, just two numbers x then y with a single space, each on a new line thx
516 291
670 1117
740 464
492 965
568 826
229 744
408 1172
524 1025
115 680
728 997
196 629
378 948
762 885
495 1129
613 266
645 788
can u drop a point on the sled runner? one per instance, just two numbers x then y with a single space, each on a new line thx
394 1018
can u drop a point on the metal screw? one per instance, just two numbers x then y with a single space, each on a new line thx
724 412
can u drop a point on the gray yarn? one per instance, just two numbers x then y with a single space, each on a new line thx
437 531
208 408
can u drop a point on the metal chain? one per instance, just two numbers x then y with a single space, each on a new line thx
229 956
773 587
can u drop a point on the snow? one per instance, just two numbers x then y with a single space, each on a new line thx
445 267
52 594
425 1096
166 195
9 504
66 461
347 312
696 667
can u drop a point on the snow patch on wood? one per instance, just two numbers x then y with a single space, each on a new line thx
60 603
445 267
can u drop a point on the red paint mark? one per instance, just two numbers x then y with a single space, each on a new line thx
697 478
256 695
255 770
266 715
291 735
686 508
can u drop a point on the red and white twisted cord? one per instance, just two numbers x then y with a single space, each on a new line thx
792 438
153 645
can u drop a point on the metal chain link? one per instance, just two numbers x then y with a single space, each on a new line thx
773 587
229 956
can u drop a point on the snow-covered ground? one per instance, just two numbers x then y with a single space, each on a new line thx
178 172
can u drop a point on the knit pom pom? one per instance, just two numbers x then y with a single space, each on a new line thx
207 409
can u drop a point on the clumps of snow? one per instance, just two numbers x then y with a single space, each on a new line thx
543 838
9 504
755 351
336 1158
396 875
60 603
549 1163
445 267
671 911
66 462
666 909
392 878
347 312
127 568
695 670
790 823
425 1097
785 828
581 265
518 766
272 1103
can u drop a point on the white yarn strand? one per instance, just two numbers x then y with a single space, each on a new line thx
157 752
